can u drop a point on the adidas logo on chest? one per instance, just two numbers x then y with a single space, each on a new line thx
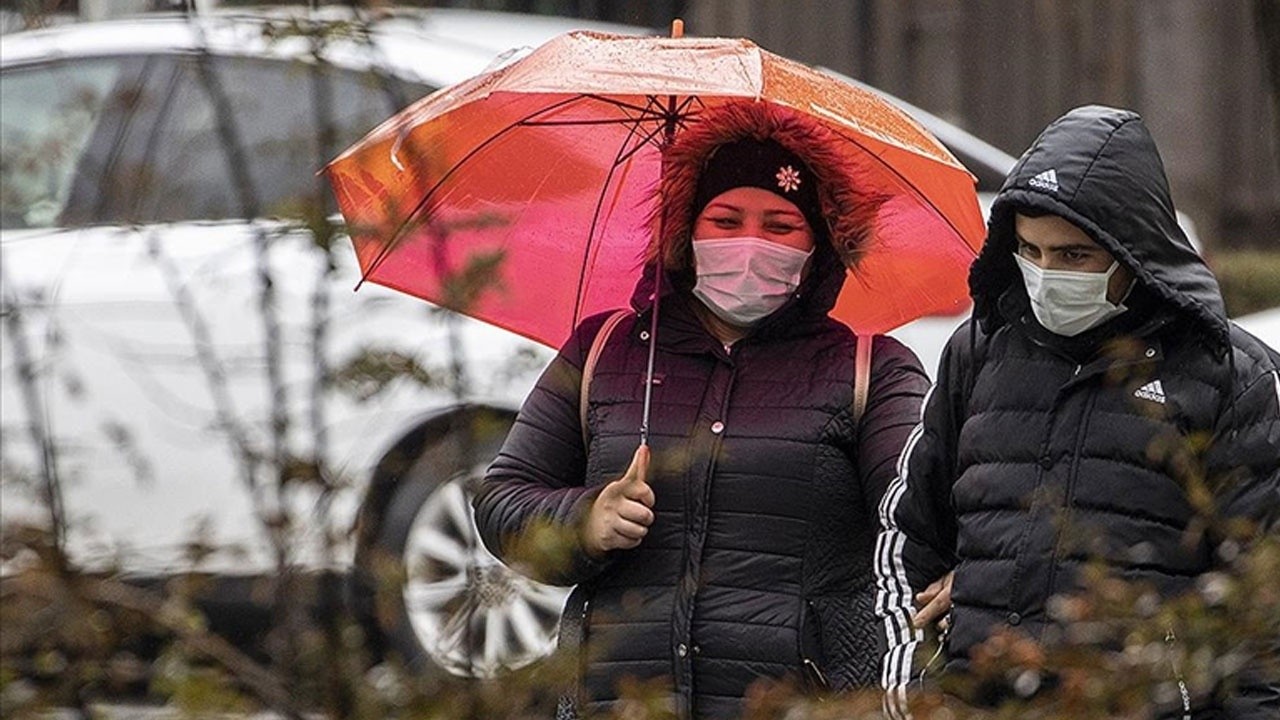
1152 391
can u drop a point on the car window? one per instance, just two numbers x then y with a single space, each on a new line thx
47 115
242 137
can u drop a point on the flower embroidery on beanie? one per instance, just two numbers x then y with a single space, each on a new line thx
788 178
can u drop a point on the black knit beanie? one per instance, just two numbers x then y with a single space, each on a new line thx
764 164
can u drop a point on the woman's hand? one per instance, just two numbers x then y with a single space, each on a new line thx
622 513
934 602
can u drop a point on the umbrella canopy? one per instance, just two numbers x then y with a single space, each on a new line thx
524 196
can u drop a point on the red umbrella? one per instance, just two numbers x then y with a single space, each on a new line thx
522 196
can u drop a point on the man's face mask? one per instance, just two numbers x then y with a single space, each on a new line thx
1067 302
743 280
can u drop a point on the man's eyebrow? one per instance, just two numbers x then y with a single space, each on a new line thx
1076 247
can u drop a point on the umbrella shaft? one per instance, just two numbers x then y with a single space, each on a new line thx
653 345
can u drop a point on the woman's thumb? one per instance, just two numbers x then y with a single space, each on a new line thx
639 470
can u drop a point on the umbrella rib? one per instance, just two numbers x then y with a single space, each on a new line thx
614 121
646 113
643 110
915 190
638 146
595 218
417 209
652 134
682 115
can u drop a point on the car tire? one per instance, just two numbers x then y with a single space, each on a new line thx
423 582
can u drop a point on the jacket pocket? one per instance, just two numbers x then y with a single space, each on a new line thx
809 639
843 634
572 649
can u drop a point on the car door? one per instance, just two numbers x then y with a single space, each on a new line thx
169 304
64 120
189 334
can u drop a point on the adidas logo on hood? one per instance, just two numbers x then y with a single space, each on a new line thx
1047 180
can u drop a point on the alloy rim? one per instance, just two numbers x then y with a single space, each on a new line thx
472 615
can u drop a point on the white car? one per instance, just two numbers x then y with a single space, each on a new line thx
1264 325
177 340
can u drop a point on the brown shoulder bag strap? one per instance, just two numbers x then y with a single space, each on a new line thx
589 368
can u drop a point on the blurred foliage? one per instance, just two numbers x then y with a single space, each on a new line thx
1118 657
1250 279
371 371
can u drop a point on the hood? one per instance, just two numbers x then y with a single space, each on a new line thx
1098 167
846 206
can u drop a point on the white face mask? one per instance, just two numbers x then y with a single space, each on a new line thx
1067 302
744 279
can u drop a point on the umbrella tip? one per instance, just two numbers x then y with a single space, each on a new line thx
677 28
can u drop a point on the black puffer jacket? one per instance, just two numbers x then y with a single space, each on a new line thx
1040 453
760 555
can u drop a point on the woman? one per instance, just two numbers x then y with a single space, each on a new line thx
737 546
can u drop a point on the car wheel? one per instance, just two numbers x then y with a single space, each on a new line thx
425 582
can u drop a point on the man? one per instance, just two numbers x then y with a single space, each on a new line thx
1098 389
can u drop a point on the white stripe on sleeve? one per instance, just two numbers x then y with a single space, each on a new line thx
893 590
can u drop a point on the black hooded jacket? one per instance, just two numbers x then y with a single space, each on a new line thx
1039 454
758 564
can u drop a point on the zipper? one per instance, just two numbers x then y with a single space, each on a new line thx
693 542
816 673
1069 497
579 688
1170 639
942 643
810 642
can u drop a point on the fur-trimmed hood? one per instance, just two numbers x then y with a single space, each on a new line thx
847 207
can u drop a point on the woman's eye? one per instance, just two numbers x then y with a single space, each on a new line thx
781 229
724 222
